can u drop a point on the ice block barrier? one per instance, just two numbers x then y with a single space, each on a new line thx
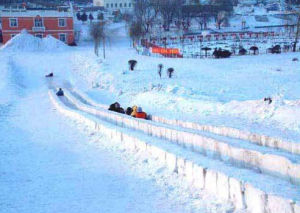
267 163
242 194
262 140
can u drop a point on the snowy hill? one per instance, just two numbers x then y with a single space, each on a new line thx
27 42
213 144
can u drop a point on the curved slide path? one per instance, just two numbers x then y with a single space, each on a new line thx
244 179
50 164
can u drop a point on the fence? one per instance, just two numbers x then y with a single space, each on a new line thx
192 46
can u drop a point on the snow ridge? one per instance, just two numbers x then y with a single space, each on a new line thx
211 175
27 42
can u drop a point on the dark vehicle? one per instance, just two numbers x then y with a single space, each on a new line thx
219 53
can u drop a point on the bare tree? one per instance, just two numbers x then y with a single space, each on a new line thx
136 32
145 13
202 21
297 34
98 34
221 17
169 9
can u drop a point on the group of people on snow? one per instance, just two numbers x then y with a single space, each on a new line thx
134 111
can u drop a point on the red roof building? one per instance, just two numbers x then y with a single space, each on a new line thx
39 23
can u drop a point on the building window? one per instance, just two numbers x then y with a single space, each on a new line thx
62 22
39 35
129 4
63 37
111 5
38 22
13 22
107 5
120 4
125 4
116 5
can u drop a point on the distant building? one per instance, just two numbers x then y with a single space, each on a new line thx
39 23
122 5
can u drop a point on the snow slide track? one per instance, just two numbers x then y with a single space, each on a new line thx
258 139
266 160
258 193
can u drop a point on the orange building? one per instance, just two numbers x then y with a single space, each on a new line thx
39 23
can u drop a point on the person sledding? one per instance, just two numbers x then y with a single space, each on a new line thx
133 113
140 114
128 111
60 92
116 108
49 75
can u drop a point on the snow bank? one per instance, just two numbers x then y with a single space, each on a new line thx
27 42
239 192
284 168
88 72
202 90
259 139
51 43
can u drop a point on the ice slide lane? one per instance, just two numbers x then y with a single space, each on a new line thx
236 152
258 139
256 192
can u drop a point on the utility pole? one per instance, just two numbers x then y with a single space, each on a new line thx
103 36
297 34
104 46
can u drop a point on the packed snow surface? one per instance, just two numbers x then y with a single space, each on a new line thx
52 164
227 92
47 165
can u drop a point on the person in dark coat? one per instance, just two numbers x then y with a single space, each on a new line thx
49 75
60 92
116 108
120 110
268 99
112 107
129 111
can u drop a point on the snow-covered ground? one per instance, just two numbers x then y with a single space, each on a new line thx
226 92
51 164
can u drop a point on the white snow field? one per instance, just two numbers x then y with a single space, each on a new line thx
244 187
224 92
72 155
52 164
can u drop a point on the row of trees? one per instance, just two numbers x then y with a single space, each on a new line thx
84 17
151 13
296 2
97 31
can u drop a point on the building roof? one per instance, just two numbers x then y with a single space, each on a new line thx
34 13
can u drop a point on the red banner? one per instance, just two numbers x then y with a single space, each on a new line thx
167 51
